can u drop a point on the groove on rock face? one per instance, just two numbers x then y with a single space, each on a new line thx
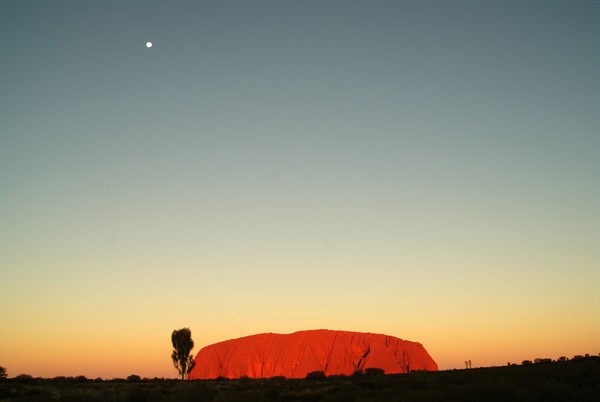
361 362
330 353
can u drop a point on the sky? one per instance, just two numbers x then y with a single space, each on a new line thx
424 169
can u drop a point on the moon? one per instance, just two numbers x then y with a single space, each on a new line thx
148 45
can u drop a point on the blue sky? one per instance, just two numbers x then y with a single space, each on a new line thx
402 167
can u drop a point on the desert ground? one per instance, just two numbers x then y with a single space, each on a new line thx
572 380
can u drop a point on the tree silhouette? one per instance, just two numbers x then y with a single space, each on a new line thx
2 373
182 346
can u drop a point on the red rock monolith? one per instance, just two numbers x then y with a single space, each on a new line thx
295 355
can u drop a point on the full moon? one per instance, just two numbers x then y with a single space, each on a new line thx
148 44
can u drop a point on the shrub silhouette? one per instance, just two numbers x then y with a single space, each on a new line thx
316 375
2 373
134 378
24 378
374 371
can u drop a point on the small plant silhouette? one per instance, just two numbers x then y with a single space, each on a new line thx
374 371
316 375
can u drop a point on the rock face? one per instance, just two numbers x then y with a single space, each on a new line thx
295 355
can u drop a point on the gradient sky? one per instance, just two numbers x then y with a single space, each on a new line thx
425 169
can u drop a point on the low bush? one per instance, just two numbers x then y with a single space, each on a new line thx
134 378
374 371
316 375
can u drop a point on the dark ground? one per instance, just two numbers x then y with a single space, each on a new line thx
575 380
